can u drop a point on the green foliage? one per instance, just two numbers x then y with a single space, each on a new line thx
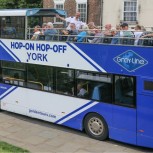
7 148
14 4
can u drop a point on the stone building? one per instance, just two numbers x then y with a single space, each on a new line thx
107 11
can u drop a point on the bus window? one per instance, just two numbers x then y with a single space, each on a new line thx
82 89
97 86
64 81
13 73
12 27
148 85
124 90
13 65
40 77
102 92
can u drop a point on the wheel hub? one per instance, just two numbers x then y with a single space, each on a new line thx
95 126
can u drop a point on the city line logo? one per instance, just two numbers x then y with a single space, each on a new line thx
130 60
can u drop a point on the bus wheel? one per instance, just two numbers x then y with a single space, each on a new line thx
96 127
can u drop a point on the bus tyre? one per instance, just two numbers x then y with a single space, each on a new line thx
96 127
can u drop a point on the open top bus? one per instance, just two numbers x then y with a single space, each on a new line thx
39 79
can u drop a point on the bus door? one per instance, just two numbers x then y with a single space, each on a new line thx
124 110
145 112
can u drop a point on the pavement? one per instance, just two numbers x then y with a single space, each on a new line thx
39 136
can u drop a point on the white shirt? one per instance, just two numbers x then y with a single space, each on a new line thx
35 35
77 22
82 92
137 36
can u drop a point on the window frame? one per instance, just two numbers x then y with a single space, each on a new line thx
147 85
142 85
11 27
134 92
78 9
103 79
64 78
14 80
130 11
43 84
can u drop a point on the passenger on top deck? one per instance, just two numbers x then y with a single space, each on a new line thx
98 36
66 34
72 32
124 32
44 27
50 31
138 32
73 19
118 27
148 35
113 32
36 32
83 34
107 32
91 31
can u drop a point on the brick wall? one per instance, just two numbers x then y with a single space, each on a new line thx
94 11
70 7
48 4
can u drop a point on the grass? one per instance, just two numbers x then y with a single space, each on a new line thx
8 148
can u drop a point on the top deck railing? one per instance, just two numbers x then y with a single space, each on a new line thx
121 37
137 38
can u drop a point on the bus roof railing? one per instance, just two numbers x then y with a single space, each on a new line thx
122 40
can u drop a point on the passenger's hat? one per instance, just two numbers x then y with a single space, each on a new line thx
124 25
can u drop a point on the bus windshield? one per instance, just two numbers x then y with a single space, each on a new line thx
14 23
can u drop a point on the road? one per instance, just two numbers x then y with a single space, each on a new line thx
43 137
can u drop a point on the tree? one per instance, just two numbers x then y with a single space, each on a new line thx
14 4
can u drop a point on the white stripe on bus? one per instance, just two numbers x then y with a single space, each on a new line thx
78 112
79 50
7 92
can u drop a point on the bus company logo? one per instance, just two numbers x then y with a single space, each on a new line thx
130 60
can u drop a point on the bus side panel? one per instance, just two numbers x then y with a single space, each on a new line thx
145 121
13 103
43 105
124 124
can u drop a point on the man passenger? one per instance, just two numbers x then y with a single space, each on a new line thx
36 32
123 33
50 31
81 91
107 31
73 19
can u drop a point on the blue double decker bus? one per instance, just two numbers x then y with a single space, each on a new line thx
41 79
